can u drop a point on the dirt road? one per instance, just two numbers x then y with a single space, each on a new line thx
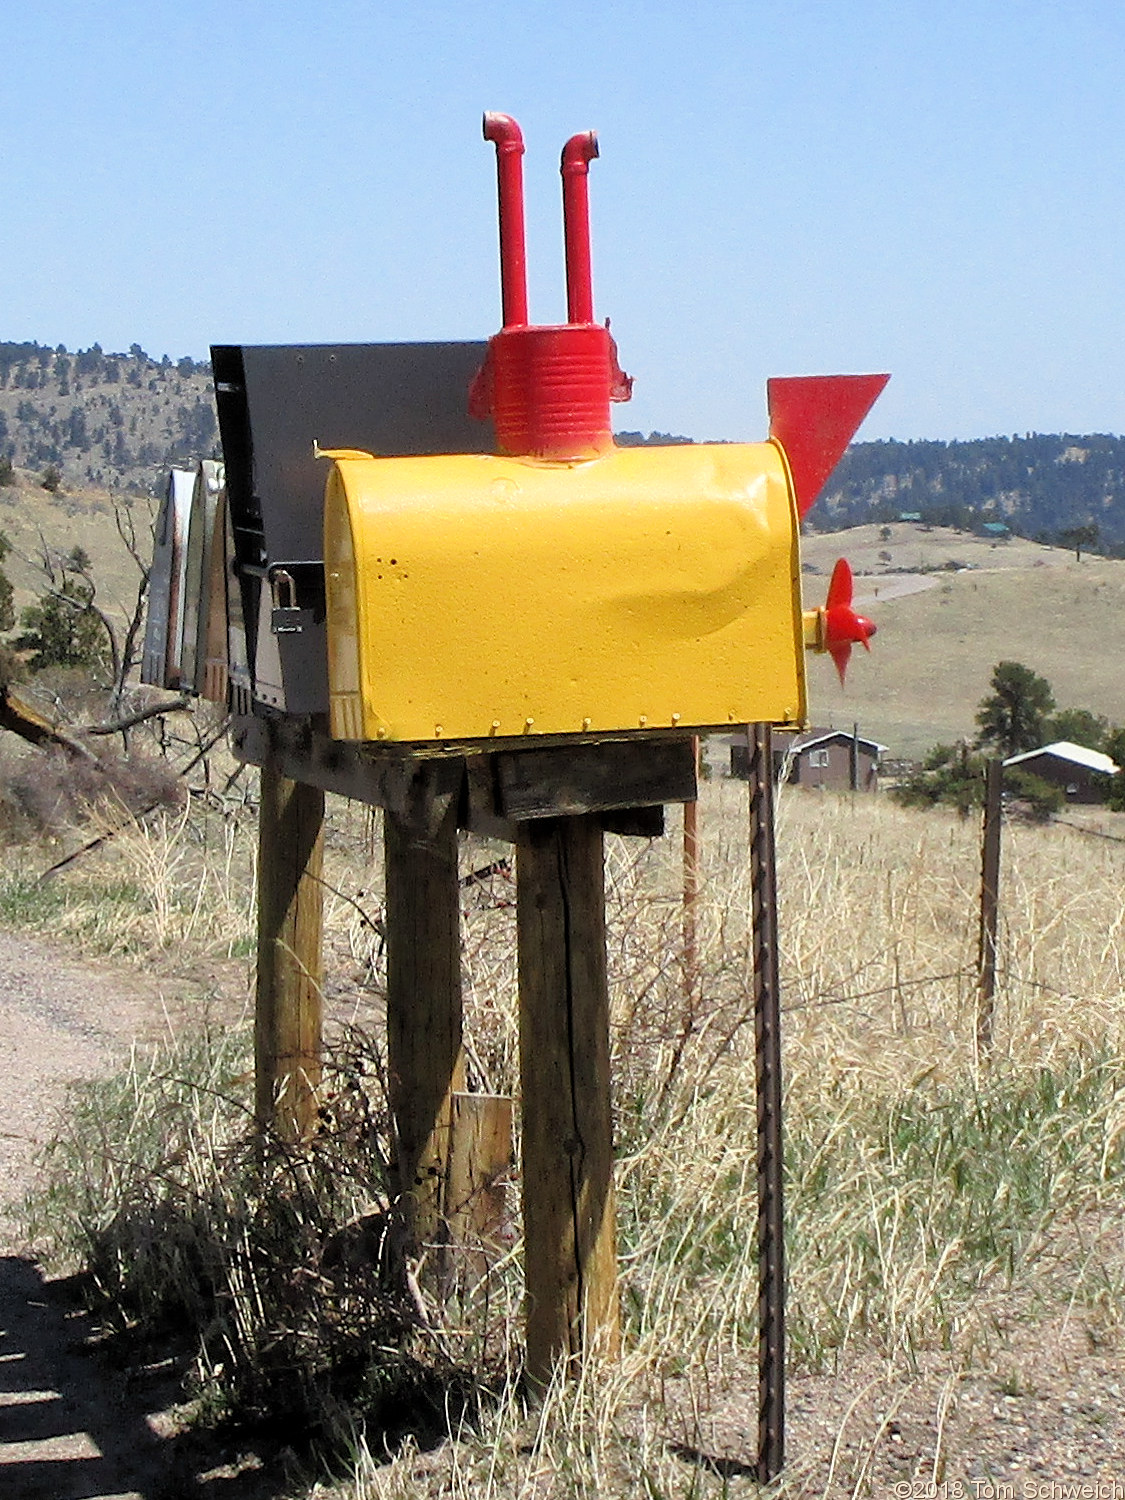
72 1427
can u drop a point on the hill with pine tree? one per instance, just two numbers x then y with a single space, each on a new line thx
1061 488
110 421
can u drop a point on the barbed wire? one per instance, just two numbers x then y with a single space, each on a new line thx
818 1002
1094 833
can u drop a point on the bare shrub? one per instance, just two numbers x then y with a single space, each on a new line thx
281 1266
55 791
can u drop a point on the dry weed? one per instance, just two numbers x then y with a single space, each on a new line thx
928 1187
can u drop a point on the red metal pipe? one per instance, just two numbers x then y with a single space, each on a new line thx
577 155
508 139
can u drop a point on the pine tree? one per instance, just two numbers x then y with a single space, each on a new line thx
62 630
1014 716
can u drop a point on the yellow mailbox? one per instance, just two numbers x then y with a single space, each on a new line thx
472 595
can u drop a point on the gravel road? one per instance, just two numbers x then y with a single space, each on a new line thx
71 1426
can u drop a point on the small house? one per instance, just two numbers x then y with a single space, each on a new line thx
827 759
1082 774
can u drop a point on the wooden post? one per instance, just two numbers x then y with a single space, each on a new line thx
853 759
287 1017
989 904
480 1161
570 1245
691 891
767 1038
425 1056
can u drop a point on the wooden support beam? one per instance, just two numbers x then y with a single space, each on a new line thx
287 1017
425 1055
570 1247
480 1164
567 780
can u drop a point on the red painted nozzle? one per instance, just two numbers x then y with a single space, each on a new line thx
503 131
577 155
548 389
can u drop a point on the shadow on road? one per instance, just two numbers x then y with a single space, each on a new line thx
74 1428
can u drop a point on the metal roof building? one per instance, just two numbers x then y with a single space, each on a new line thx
1082 774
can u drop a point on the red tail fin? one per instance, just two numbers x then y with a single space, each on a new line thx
814 418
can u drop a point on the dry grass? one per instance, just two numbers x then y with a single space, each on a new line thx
935 1198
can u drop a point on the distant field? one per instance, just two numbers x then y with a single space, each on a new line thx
930 665
910 546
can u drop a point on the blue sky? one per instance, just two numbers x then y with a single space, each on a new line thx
934 189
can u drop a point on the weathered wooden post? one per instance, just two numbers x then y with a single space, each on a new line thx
425 1054
476 1194
287 1016
767 1042
568 1202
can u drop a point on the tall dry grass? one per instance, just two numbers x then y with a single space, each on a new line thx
932 1194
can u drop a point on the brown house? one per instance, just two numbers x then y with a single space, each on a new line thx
1083 775
827 759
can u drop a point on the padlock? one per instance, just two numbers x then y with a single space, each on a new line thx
286 618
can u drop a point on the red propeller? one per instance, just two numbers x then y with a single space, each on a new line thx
842 626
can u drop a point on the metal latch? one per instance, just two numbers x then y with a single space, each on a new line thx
287 617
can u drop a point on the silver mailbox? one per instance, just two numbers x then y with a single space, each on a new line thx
204 536
164 625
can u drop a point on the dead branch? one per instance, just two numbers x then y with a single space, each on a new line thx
133 818
18 715
126 524
173 706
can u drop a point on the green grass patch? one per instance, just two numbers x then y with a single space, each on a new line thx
902 1207
25 901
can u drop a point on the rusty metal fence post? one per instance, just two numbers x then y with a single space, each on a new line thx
767 1040
989 904
691 894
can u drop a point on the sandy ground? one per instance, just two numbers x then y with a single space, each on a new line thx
62 1434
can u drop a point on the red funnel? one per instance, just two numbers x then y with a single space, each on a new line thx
814 418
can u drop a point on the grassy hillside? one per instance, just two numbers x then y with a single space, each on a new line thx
948 604
31 518
930 664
